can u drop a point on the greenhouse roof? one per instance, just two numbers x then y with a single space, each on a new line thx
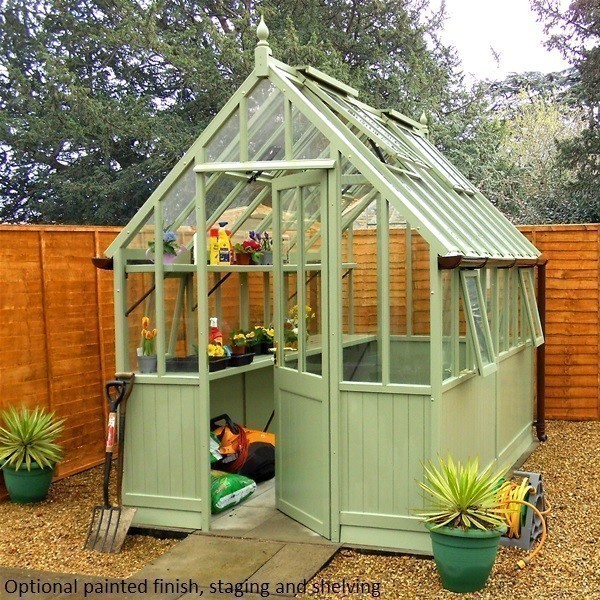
285 119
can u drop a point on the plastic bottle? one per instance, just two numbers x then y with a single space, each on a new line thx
214 333
224 245
213 246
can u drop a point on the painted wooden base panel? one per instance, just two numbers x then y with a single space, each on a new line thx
522 443
412 542
161 517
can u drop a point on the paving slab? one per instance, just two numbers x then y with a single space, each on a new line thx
292 567
207 559
283 529
241 520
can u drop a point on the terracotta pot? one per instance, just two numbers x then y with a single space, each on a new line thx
238 350
242 259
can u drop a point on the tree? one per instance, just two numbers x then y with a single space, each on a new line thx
576 33
99 99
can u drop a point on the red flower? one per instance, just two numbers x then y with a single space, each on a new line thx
251 245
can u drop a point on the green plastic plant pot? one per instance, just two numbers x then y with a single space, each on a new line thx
464 559
25 486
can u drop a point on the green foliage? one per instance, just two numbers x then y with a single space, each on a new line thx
29 436
462 495
99 100
575 31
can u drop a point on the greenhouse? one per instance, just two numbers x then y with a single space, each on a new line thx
400 302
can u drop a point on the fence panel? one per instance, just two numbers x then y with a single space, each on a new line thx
56 312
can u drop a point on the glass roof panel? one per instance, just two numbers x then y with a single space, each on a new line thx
375 128
224 146
266 129
307 141
177 203
144 234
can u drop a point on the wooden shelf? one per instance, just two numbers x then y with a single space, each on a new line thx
189 268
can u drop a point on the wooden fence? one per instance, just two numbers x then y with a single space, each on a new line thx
56 314
572 318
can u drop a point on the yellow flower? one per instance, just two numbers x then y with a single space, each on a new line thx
149 335
271 332
145 322
216 350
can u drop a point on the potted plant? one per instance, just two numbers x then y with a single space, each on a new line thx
248 251
217 357
465 521
170 248
264 338
238 342
29 452
266 245
147 354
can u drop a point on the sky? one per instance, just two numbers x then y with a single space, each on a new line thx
507 26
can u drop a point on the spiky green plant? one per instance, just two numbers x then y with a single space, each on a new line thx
462 495
29 436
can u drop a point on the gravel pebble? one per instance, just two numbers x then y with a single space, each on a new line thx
49 535
568 565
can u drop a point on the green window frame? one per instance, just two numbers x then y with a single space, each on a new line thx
531 307
479 327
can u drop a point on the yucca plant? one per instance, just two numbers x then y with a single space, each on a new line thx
462 495
29 436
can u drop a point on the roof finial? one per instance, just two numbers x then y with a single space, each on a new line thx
423 122
262 33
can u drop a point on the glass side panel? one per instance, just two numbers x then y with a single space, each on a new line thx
307 141
249 208
477 316
311 218
410 353
181 324
224 146
398 281
221 192
448 316
513 313
138 285
266 131
313 359
289 218
290 327
503 310
533 315
360 300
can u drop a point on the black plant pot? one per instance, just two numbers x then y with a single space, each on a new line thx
239 360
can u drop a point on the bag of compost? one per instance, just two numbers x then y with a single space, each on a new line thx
228 490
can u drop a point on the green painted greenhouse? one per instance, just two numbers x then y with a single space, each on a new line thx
417 325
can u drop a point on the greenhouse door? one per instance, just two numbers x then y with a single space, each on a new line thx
301 323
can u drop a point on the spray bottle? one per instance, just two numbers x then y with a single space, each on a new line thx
224 245
213 246
214 333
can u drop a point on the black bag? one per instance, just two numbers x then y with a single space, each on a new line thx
260 463
248 452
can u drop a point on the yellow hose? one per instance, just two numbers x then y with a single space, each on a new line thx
512 497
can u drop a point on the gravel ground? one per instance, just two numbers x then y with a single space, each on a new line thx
568 565
49 535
